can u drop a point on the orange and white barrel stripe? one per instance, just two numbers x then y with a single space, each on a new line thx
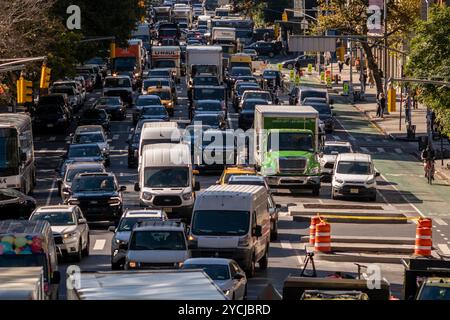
323 237
424 241
312 229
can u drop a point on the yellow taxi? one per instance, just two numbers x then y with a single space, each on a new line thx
166 95
235 171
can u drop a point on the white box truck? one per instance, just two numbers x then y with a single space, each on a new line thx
286 140
145 285
167 57
204 59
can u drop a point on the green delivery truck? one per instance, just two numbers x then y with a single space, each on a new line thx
286 146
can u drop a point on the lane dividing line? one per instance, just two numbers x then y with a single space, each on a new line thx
440 222
99 244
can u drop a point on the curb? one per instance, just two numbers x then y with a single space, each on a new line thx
372 240
330 257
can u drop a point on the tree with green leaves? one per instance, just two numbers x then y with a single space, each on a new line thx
430 59
350 17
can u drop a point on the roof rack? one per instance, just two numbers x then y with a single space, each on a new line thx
158 223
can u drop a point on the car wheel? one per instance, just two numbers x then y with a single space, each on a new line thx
116 266
264 262
86 251
274 234
250 272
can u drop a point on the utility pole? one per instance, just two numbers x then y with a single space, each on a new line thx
385 47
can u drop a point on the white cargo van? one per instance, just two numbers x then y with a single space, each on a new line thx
232 221
166 179
158 132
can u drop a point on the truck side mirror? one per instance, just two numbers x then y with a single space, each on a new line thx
257 232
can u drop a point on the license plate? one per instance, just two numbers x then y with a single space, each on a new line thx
354 191
94 202
50 125
168 210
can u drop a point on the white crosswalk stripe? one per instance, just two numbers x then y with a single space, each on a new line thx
99 244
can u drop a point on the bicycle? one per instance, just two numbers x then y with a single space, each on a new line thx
429 171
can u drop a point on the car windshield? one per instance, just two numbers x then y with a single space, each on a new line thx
208 120
164 64
154 111
91 137
93 183
209 94
214 271
109 101
211 81
258 95
245 87
290 141
354 167
336 149
117 83
220 222
148 101
55 218
173 177
435 293
71 173
84 151
312 94
250 105
209 106
235 72
163 94
158 240
127 224
155 83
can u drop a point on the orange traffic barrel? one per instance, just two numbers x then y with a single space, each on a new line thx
424 241
312 229
424 223
323 237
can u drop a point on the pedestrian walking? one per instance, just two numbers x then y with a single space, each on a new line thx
341 66
381 101
298 67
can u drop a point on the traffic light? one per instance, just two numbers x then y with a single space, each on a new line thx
112 50
141 4
45 77
24 91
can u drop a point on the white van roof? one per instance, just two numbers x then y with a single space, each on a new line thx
165 124
362 157
150 133
166 155
147 285
234 197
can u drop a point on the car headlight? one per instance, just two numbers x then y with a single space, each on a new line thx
340 181
69 235
315 170
169 104
118 241
187 196
370 181
114 201
147 196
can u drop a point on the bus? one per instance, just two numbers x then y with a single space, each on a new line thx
17 162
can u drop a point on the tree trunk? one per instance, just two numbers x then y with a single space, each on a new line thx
373 66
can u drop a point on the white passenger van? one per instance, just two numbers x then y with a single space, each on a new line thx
158 132
166 179
232 221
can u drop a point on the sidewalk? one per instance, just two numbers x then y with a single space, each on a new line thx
393 124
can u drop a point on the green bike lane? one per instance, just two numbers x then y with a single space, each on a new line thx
402 171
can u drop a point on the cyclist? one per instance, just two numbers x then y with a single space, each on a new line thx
428 156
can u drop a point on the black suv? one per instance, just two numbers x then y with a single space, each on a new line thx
98 195
51 117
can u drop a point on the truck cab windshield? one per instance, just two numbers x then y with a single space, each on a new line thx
124 64
166 177
165 64
290 141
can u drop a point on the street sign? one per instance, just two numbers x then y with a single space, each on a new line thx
298 8
309 43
